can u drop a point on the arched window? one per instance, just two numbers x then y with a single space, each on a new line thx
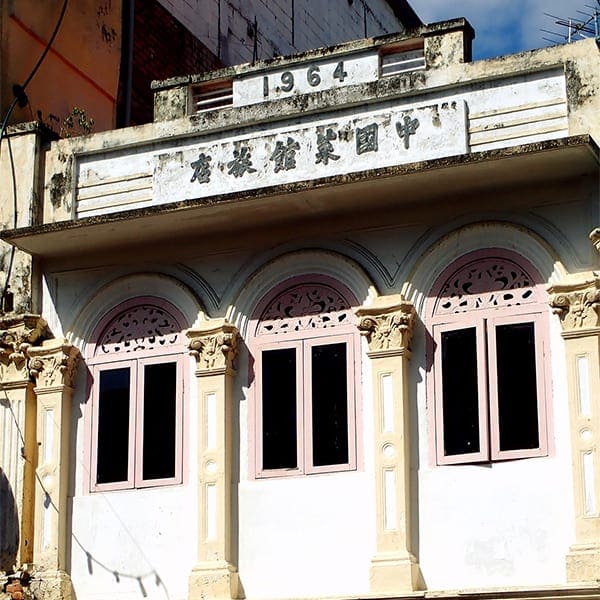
304 343
137 363
488 319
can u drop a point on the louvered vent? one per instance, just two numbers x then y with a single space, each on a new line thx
401 61
214 94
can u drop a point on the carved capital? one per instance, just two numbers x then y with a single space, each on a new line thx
53 364
595 237
17 334
576 301
387 324
214 345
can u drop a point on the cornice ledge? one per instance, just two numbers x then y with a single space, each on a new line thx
576 301
214 345
387 324
53 364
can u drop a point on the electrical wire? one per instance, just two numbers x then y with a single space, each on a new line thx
21 98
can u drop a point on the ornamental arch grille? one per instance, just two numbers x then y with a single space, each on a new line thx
137 365
488 319
306 362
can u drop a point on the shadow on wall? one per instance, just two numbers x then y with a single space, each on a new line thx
9 525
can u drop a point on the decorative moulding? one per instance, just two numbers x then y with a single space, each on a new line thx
595 237
53 364
576 301
387 325
214 345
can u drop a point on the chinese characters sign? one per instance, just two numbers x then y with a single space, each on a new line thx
321 148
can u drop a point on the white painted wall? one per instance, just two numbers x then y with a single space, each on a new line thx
133 543
509 524
315 24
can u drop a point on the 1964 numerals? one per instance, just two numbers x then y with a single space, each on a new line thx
313 74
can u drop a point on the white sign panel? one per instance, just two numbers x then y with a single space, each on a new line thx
339 144
305 78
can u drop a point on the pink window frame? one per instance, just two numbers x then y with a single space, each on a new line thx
136 362
482 391
540 350
303 340
485 321
304 430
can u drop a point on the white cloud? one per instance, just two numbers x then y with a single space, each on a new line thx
505 26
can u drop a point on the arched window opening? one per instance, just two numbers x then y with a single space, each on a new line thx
488 320
306 362
137 397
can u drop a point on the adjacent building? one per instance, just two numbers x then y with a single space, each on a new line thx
327 327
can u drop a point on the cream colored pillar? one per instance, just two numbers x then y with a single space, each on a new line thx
387 325
576 300
18 448
52 366
214 345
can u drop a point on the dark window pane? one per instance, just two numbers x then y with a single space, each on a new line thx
279 409
113 426
460 391
517 387
329 405
160 414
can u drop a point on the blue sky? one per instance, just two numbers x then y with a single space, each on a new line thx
504 26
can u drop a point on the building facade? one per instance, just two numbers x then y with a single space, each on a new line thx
327 327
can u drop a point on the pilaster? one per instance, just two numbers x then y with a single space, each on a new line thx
52 367
576 301
18 448
214 345
387 325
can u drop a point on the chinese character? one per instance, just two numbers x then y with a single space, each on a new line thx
406 129
366 138
325 147
201 169
241 163
284 155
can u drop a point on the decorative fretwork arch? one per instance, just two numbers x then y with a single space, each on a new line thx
137 362
490 279
142 327
488 319
306 304
306 367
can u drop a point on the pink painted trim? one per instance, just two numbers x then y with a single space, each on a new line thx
117 485
136 360
260 472
487 319
294 282
350 407
105 321
542 449
483 453
302 340
474 257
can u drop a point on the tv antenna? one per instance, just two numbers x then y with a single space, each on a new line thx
585 25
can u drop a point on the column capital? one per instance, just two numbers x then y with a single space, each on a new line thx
576 301
387 324
53 364
595 237
214 345
17 334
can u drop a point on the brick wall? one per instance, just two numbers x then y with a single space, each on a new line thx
162 48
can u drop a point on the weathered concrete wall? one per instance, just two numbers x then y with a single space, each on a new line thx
21 159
